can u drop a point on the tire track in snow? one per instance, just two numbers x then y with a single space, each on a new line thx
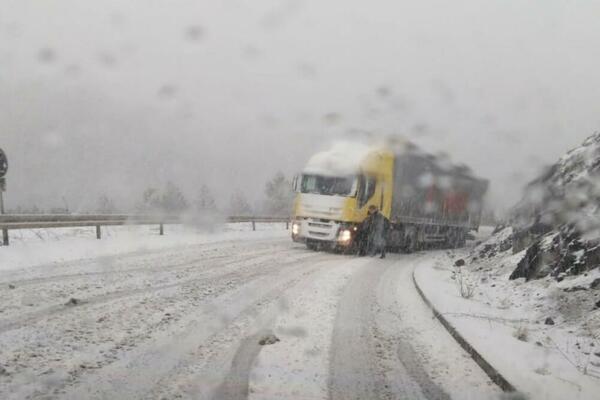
298 365
171 355
354 372
45 313
368 362
395 336
212 373
124 259
236 384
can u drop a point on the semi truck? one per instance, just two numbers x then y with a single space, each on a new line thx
427 199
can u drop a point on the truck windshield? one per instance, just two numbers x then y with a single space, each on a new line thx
329 185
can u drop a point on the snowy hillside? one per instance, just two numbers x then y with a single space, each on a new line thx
558 220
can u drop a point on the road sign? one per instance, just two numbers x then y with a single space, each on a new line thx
3 164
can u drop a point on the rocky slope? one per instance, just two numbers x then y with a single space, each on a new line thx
558 220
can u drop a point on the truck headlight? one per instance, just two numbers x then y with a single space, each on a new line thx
295 228
345 235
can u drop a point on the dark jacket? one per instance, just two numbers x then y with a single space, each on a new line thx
378 227
372 232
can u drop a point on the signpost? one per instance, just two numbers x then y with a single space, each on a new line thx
3 171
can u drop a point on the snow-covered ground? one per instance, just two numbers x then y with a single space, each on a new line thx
33 247
543 335
136 315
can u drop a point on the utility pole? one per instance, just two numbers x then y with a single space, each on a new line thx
3 171
4 230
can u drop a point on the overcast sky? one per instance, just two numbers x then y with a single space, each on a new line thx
112 96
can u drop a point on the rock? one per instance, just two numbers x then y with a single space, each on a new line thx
505 245
513 396
498 228
597 304
73 302
595 284
574 289
549 321
532 264
11 286
487 248
3 371
268 339
459 263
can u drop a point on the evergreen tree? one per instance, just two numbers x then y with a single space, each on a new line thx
280 196
205 201
238 204
105 205
169 201
151 201
172 200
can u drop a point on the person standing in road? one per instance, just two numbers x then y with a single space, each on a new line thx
363 235
377 226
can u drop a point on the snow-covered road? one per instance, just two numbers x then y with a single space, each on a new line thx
186 322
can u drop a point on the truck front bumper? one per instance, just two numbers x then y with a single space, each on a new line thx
319 230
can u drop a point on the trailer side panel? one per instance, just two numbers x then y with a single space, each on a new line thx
427 193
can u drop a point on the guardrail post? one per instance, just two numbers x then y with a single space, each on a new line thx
161 230
287 225
98 232
5 236
253 225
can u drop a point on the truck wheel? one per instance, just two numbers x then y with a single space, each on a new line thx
411 240
457 239
312 246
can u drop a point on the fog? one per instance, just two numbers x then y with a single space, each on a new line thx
111 97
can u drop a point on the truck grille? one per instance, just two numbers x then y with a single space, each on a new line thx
319 234
319 225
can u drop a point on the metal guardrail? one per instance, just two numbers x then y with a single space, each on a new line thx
41 221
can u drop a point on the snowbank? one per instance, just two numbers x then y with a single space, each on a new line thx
36 247
544 343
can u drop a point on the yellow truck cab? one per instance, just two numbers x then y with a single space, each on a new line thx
335 191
